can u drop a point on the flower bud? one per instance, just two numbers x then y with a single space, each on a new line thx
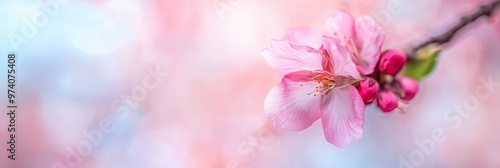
387 101
368 89
392 61
408 87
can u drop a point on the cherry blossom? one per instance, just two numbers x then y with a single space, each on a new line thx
317 83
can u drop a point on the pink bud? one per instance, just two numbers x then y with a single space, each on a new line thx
368 89
408 86
387 101
392 61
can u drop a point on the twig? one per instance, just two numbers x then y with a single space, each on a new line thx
447 36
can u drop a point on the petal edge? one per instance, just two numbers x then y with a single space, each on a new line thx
290 106
343 116
286 58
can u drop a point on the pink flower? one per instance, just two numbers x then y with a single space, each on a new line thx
316 84
362 37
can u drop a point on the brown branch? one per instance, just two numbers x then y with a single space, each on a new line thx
447 36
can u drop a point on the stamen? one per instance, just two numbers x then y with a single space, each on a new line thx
349 45
325 82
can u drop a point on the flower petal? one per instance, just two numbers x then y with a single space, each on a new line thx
285 57
343 116
303 36
340 58
292 105
341 25
369 41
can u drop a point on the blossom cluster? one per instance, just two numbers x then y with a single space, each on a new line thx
332 76
389 89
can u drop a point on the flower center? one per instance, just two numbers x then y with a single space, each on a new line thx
325 84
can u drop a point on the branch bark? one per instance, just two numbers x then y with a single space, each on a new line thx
447 36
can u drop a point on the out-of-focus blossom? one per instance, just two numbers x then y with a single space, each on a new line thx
362 38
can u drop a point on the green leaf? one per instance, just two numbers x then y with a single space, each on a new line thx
423 65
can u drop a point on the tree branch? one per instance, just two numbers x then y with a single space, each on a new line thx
447 36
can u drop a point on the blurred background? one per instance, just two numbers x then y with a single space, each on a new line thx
181 83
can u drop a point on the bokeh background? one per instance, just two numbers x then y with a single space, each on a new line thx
207 112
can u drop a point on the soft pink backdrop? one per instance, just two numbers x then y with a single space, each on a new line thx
208 111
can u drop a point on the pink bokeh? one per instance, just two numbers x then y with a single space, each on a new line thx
208 111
